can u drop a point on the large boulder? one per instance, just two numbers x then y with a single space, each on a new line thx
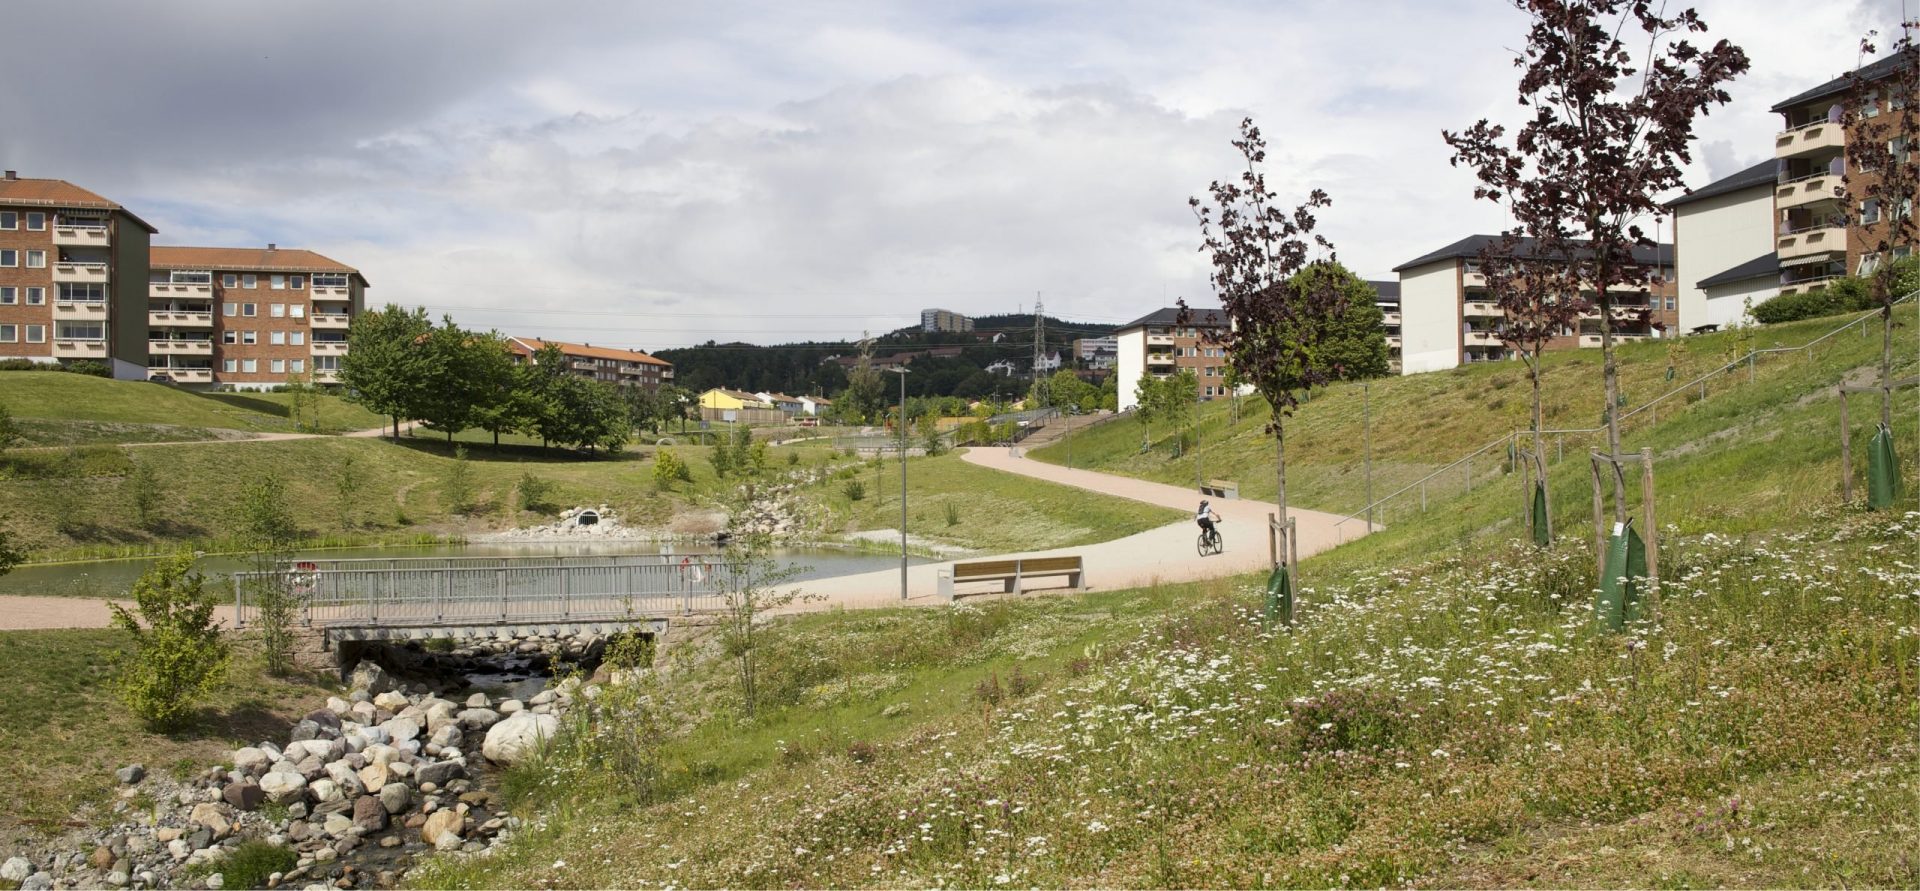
392 701
478 718
439 773
245 795
369 676
443 823
16 869
251 761
396 798
283 787
403 729
369 814
517 737
212 817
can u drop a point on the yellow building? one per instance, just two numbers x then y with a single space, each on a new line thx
734 400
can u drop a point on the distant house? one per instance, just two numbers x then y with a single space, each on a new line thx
1004 366
815 405
734 406
781 401
721 398
614 366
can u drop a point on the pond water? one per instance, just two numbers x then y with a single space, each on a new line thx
113 578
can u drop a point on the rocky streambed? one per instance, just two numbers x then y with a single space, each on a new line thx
357 790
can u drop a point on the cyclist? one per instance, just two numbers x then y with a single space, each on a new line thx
1206 517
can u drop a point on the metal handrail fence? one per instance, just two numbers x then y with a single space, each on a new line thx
506 594
1464 464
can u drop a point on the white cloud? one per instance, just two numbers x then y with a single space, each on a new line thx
849 161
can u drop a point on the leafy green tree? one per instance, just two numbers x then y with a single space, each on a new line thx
722 460
268 532
457 488
499 403
178 654
466 373
346 491
865 396
143 493
386 356
1354 346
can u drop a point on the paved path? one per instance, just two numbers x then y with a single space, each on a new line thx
240 436
1166 554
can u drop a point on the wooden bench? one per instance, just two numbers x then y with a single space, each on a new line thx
1221 489
1012 574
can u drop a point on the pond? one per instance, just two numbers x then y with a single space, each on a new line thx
113 578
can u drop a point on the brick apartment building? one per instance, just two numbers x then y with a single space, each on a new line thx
73 273
1158 344
630 368
248 318
1448 317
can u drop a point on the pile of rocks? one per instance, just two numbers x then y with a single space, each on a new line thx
359 787
569 528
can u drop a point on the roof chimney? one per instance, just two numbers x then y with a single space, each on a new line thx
272 247
13 174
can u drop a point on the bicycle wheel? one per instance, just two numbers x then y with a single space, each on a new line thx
1201 546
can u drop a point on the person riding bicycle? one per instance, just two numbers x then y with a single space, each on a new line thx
1206 517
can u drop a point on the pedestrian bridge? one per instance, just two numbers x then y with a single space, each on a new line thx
458 597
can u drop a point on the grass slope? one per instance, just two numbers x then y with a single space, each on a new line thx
1443 714
68 405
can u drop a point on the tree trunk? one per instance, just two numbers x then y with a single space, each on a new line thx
1280 469
1886 358
1611 371
1539 442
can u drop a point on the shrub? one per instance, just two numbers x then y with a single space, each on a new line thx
89 367
1794 307
669 469
1020 684
536 492
143 493
722 460
989 691
793 458
953 514
250 864
862 752
178 653
458 486
854 489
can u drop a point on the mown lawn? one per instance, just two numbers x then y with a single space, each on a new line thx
84 402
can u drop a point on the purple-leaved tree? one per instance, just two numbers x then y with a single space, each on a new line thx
1881 179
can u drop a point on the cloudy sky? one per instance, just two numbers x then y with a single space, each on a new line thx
651 174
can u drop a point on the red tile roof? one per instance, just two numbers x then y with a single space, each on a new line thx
246 260
528 345
59 193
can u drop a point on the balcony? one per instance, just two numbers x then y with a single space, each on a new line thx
326 375
329 292
1806 190
79 310
180 375
172 318
79 236
1815 240
1483 309
1482 338
329 347
666 374
1808 285
1807 139
1590 340
170 290
1390 318
328 321
1160 359
69 348
180 347
79 272
1472 279
583 365
1393 340
1159 340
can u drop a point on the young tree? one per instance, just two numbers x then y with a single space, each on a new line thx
1609 130
751 584
865 397
1883 174
10 434
458 485
178 653
386 356
143 493
346 491
268 532
1356 343
1278 327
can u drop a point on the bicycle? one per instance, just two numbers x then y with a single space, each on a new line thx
1210 543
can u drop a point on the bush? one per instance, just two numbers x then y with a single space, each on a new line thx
178 653
458 486
1794 307
250 864
669 469
854 490
536 492
953 514
89 367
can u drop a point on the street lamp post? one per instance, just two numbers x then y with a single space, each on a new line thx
902 371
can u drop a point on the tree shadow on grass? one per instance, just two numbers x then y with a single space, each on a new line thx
508 453
251 721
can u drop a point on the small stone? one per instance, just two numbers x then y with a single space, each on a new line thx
40 881
131 774
369 679
216 881
179 849
325 855
375 775
478 700
403 729
299 830
213 817
391 701
337 825
390 841
438 774
324 790
512 705
199 839
118 878
252 761
244 796
102 858
16 869
541 698
478 718
440 826
396 797
283 787
166 834
369 814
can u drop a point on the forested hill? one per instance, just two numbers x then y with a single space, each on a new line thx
804 368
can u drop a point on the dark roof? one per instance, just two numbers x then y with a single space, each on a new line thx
1765 173
1763 266
1871 71
1203 317
1389 291
1469 248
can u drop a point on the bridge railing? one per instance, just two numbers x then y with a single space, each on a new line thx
503 561
457 595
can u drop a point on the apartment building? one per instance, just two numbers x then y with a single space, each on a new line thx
1448 317
73 273
1386 296
1723 236
1097 353
1825 226
627 368
940 320
1160 344
248 318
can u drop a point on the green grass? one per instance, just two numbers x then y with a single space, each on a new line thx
1443 714
63 731
53 396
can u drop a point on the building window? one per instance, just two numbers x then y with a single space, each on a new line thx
1868 263
249 281
250 366
80 331
229 280
9 257
1870 211
277 310
297 310
1871 107
9 219
9 295
297 366
277 282
277 338
229 365
326 363
329 281
297 282
36 296
249 309
36 259
9 333
36 334
297 338
230 309
229 337
82 292
249 337
36 221
277 366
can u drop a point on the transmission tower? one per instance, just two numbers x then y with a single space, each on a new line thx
1039 342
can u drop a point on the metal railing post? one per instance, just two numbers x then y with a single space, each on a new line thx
500 588
566 592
